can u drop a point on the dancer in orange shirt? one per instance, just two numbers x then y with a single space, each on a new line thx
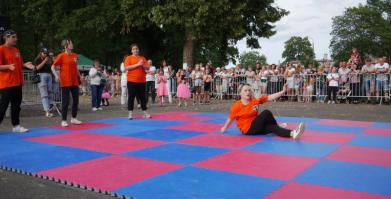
245 112
11 79
69 81
135 65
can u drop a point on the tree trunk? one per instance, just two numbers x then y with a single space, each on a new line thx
188 50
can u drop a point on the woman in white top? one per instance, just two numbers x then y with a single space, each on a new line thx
124 82
368 70
167 73
95 75
263 75
198 83
333 79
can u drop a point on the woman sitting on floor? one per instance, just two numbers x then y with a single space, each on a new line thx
245 112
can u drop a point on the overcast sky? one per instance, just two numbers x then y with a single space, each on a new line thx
310 18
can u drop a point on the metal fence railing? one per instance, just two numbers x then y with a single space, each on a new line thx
301 87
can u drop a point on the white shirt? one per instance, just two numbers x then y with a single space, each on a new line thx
149 77
332 82
95 77
382 68
343 73
124 77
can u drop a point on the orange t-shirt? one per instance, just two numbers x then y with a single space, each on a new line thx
245 114
69 75
8 78
138 74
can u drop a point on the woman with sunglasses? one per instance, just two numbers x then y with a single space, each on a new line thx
249 122
43 65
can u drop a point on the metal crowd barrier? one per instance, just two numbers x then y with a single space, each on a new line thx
301 87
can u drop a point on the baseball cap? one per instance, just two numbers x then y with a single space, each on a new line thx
9 32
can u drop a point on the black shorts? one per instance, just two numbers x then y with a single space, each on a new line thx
207 86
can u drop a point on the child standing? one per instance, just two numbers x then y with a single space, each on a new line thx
308 89
207 85
333 79
162 88
183 91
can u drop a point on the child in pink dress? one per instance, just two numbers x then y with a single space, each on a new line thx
162 88
105 97
183 91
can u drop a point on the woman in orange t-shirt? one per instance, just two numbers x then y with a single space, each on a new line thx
135 65
249 122
69 80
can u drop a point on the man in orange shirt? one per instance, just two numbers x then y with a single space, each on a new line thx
11 79
69 81
245 112
135 65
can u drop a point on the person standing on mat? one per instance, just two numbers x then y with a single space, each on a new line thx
135 65
11 79
245 112
69 79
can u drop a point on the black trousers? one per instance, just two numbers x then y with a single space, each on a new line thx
136 90
65 93
150 89
11 95
332 89
265 123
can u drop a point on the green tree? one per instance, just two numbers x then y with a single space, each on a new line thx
250 59
221 23
365 27
298 49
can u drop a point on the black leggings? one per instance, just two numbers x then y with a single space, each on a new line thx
11 95
332 89
265 123
65 92
137 90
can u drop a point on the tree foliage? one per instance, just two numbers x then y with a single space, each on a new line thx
365 27
104 29
298 49
250 59
219 23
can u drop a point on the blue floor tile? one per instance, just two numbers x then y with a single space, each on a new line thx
178 153
360 177
296 119
294 148
49 158
122 130
165 134
193 182
379 141
335 129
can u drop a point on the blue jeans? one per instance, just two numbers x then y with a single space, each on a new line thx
46 90
96 95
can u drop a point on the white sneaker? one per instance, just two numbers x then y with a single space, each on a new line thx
130 116
329 102
138 106
19 129
296 134
94 109
283 125
146 115
48 114
333 102
64 123
75 121
100 108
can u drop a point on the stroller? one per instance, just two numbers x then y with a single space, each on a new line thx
344 93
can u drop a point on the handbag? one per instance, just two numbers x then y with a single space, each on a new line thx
36 78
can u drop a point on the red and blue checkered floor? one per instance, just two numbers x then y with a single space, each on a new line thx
182 155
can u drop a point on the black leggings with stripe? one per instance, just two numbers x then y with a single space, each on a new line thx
265 123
